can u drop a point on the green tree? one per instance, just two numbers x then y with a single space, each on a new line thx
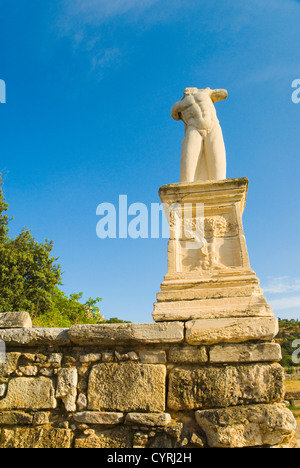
289 332
28 272
30 278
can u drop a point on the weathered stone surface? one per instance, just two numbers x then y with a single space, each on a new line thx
131 356
235 330
10 365
127 387
108 357
15 320
24 438
197 441
260 352
252 426
29 393
140 440
142 419
119 437
210 309
15 418
47 372
81 402
29 371
40 419
213 387
127 333
98 418
55 359
67 387
162 441
153 357
86 358
35 337
188 354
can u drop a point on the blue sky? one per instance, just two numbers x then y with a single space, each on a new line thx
90 85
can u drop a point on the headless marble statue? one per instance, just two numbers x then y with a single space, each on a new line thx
203 154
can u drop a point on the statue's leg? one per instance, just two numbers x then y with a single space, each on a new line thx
201 171
191 148
215 154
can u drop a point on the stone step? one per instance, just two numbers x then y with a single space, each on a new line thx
210 293
15 320
212 308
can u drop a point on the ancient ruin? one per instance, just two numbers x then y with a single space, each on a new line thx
206 374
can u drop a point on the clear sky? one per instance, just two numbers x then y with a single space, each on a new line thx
90 85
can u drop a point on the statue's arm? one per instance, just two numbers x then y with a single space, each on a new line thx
176 111
218 95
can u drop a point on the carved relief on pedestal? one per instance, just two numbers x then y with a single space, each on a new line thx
207 243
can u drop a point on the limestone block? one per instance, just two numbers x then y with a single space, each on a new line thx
87 358
252 306
35 337
127 333
252 426
47 372
29 371
153 357
108 357
40 419
127 387
148 419
23 438
233 330
260 352
3 388
131 356
15 320
118 437
55 359
197 441
140 440
32 393
188 354
98 418
67 387
81 402
15 418
212 387
10 365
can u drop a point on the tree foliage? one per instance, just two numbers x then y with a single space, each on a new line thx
30 278
289 333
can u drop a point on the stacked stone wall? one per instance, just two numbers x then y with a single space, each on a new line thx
160 385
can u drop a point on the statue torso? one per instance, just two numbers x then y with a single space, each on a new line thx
198 110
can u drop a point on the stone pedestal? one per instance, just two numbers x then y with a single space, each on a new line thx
209 275
211 287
